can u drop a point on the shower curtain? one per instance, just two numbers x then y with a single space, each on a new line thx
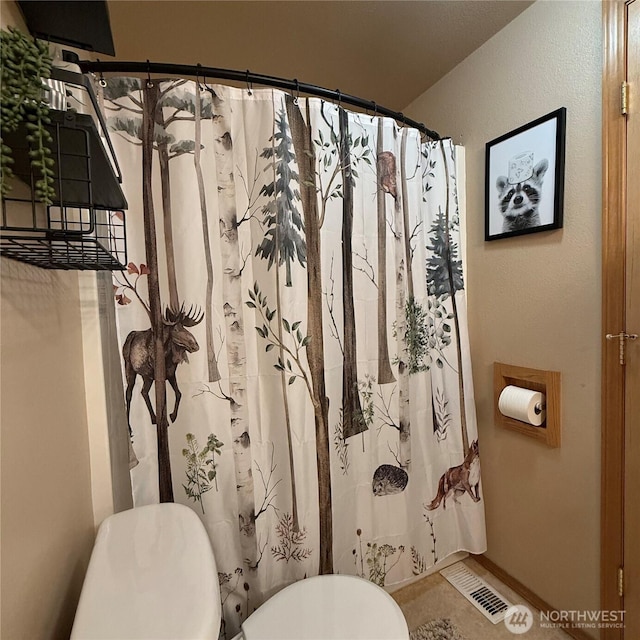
299 267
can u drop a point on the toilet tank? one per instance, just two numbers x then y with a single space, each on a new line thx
152 574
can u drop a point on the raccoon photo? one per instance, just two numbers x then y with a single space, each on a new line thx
519 202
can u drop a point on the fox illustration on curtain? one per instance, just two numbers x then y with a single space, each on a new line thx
313 254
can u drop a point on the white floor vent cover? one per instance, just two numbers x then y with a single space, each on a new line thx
485 598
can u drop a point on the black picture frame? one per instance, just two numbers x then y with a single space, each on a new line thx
524 178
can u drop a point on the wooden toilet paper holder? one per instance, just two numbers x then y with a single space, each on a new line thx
547 382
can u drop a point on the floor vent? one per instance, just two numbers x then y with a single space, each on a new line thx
482 596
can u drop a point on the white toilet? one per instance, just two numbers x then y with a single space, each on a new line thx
152 575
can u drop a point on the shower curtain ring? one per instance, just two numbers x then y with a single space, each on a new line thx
249 85
339 94
297 96
375 110
101 81
198 74
149 83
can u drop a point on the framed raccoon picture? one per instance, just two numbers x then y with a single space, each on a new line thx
524 187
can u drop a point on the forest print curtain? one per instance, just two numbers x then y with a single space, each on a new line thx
295 277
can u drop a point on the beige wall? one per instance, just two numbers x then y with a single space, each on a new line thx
47 516
535 300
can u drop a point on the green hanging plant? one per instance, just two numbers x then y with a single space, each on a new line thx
25 63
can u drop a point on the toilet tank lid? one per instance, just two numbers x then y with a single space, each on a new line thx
152 574
329 607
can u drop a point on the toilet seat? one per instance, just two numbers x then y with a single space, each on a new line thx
335 607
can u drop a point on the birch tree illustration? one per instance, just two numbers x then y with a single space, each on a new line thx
386 184
399 233
444 279
181 107
283 243
232 263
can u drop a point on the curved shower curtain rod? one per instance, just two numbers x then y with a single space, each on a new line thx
249 78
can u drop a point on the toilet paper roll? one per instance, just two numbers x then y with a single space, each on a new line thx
522 404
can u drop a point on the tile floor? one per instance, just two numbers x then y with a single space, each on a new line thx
433 597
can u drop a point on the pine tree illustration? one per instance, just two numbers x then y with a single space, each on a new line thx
443 265
282 218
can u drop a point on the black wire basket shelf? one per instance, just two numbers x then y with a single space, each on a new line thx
84 227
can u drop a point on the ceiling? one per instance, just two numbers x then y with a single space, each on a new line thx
386 51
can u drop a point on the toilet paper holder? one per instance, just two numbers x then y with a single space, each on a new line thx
546 382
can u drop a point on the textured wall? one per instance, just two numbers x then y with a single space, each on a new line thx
535 300
47 517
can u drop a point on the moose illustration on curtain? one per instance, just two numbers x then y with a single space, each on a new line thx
314 251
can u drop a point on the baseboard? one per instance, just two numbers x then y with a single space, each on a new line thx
397 588
524 592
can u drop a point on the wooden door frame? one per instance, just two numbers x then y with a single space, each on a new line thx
613 305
